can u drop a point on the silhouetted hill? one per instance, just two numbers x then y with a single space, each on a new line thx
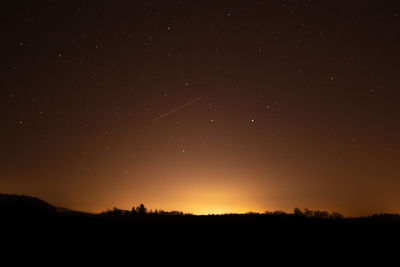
31 217
12 205
24 206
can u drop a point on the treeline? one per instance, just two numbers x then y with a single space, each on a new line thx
141 210
317 214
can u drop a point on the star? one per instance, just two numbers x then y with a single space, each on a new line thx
372 91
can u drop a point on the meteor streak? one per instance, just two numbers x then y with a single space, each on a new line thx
176 109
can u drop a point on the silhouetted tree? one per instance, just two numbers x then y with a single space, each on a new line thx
141 209
321 214
308 213
133 211
298 212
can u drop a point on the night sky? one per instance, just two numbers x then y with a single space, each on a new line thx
202 106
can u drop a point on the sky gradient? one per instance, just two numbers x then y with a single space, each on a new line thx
202 106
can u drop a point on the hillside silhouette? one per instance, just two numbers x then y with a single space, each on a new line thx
24 206
14 207
31 217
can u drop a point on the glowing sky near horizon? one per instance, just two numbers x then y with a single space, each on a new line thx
202 106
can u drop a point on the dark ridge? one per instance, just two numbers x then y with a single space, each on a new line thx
31 221
24 206
23 213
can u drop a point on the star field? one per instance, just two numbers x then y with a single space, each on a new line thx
202 106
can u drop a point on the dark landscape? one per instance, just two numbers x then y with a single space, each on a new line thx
27 215
262 125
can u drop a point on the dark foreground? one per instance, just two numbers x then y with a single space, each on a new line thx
29 222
